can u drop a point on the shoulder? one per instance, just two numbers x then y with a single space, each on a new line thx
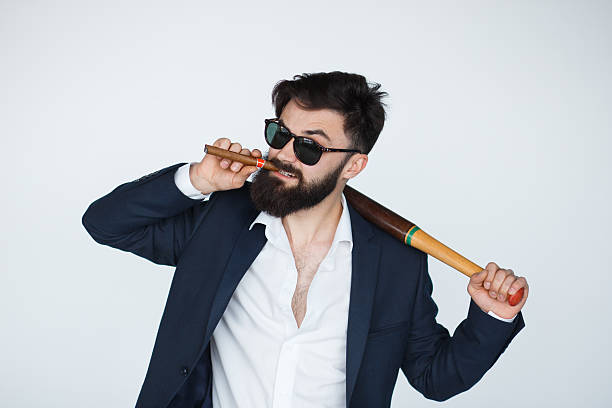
401 269
397 256
389 245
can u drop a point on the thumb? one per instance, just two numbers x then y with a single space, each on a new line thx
246 171
477 278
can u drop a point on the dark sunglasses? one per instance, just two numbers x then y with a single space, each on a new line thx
306 150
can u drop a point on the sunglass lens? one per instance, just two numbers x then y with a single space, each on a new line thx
306 151
275 136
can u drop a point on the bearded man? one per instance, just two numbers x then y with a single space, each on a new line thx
283 295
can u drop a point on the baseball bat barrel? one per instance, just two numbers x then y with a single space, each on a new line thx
385 219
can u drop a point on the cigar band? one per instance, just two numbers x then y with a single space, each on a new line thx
260 163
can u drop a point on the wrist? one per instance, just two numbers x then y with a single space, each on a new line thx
503 319
197 182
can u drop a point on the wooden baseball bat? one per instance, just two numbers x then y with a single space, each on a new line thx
385 219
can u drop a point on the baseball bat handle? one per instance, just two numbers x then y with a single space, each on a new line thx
426 243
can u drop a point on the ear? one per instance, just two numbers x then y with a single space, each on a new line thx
355 165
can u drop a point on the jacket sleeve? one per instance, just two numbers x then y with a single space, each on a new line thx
149 217
440 366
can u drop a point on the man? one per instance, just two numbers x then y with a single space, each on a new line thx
283 295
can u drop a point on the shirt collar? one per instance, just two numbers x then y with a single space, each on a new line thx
276 234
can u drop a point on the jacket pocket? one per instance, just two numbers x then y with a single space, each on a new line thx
390 328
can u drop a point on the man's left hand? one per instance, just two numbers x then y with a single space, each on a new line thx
491 287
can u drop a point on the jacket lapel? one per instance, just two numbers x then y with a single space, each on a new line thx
248 246
363 287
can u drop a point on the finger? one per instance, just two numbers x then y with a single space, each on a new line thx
256 153
233 147
236 165
520 282
505 286
479 277
240 177
500 275
524 295
491 268
223 143
247 171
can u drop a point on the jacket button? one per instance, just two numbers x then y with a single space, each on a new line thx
184 371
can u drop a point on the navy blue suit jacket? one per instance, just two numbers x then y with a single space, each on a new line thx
391 322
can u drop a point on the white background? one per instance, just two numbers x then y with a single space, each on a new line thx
497 143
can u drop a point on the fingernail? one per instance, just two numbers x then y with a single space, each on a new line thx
493 294
487 285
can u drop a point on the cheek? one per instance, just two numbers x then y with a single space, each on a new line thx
314 174
329 161
272 153
325 166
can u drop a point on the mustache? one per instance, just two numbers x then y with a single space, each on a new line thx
286 167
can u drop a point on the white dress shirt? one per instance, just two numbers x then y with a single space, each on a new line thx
260 358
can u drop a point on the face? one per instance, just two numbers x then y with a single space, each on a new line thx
302 186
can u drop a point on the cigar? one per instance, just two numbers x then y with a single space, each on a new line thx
248 160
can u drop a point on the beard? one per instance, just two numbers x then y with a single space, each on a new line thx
269 194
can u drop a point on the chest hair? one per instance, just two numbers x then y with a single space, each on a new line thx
307 263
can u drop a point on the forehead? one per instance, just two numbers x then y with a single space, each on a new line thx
300 121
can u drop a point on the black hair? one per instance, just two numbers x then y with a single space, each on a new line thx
349 94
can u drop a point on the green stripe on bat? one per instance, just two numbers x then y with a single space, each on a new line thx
410 234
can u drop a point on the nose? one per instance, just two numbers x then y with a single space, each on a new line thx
287 154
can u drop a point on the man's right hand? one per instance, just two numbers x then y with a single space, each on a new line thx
215 173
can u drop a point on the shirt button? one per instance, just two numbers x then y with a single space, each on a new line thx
184 371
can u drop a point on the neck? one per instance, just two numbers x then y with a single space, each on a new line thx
317 224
